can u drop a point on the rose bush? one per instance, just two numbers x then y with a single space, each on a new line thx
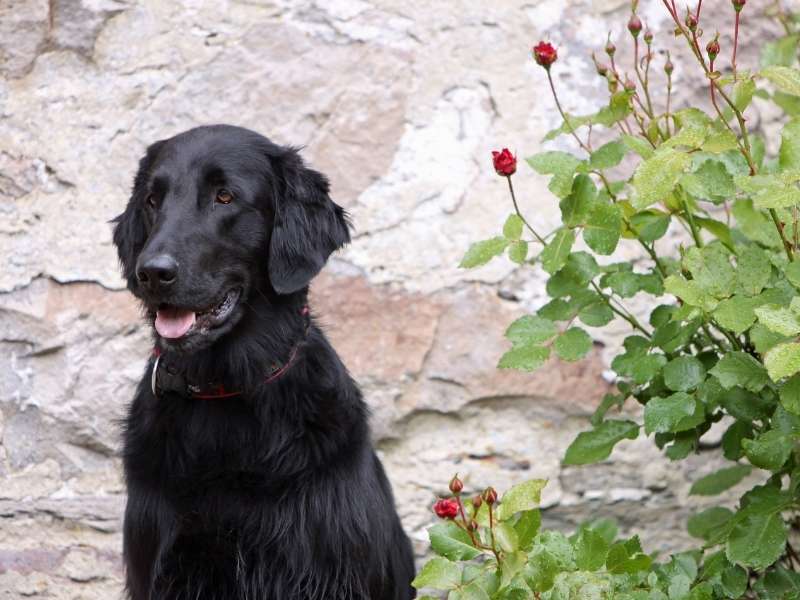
721 344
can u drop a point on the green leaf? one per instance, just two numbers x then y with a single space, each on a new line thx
518 252
792 272
530 329
650 225
573 344
753 270
438 574
732 440
513 227
781 52
743 93
627 557
703 524
757 541
684 373
506 537
597 314
754 224
527 526
790 395
481 253
716 228
719 481
607 156
524 358
710 181
590 550
575 208
555 254
789 157
779 319
452 542
523 496
740 369
561 165
783 361
736 314
785 79
689 291
656 177
602 228
596 445
711 269
641 146
678 412
764 339
769 451
734 581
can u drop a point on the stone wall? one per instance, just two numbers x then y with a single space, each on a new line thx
400 103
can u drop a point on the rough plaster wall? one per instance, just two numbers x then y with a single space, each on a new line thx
399 102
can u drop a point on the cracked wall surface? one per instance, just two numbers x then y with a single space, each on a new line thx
400 103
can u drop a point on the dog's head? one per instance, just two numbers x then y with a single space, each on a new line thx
216 213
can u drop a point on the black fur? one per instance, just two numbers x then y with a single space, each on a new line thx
277 494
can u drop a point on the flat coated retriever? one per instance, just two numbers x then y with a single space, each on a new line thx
247 456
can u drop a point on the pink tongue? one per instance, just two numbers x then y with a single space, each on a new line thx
173 322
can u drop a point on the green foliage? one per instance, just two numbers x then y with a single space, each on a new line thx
721 344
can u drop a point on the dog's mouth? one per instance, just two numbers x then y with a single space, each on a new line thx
174 322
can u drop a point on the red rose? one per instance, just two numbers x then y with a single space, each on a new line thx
544 54
456 485
446 509
505 163
635 25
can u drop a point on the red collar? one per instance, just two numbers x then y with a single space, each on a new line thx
165 379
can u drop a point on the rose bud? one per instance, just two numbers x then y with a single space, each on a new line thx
611 49
738 5
648 36
489 496
446 509
669 67
456 485
691 22
545 54
713 48
629 85
505 163
477 501
602 69
635 25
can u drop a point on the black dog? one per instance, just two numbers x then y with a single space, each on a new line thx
247 457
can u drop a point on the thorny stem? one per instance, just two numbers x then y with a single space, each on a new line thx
735 44
519 214
564 116
624 314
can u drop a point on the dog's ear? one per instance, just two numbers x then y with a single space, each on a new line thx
308 225
130 228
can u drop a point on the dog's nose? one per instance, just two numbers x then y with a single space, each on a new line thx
158 271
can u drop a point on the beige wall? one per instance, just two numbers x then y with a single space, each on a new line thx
400 103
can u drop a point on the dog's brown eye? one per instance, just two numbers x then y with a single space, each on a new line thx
224 197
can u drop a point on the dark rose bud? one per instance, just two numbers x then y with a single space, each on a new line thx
635 25
669 67
691 22
489 496
738 5
648 36
505 163
456 485
713 48
611 49
477 501
545 54
446 508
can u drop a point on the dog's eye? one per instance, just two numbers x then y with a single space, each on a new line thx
151 200
224 197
